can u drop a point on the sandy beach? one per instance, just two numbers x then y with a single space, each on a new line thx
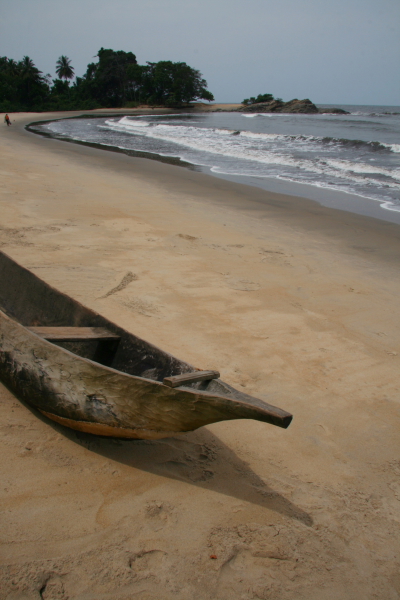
293 302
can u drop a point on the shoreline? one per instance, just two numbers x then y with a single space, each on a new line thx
293 302
252 199
330 198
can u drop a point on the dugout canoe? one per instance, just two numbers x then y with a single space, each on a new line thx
83 371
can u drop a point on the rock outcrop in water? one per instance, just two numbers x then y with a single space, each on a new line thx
293 106
333 111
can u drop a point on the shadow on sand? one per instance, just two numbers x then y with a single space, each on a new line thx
198 458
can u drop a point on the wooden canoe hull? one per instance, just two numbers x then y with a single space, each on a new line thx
85 395
91 397
109 431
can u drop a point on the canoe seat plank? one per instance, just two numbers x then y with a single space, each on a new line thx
74 334
177 380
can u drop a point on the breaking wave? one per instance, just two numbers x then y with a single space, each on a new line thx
326 152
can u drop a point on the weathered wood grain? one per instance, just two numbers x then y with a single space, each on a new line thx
119 393
194 377
74 334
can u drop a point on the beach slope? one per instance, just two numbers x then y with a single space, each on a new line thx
292 302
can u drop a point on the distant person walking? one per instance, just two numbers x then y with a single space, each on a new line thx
7 120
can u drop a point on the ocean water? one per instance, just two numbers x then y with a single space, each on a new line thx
354 157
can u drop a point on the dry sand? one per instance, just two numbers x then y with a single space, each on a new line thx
290 301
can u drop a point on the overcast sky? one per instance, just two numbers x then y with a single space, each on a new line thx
336 51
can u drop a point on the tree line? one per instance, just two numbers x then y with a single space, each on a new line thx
260 98
116 80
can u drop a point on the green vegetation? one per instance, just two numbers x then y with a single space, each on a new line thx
260 98
170 84
64 69
116 80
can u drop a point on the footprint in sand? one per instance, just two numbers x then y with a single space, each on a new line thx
147 560
185 236
195 464
53 588
243 285
274 256
160 512
126 280
142 306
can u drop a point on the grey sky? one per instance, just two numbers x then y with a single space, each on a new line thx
340 52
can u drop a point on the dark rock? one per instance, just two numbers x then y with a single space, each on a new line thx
333 111
272 106
294 106
299 106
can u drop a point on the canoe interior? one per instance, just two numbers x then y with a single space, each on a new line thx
33 303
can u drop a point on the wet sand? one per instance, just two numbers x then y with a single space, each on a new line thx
293 302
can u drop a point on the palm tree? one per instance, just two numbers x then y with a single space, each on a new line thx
13 66
29 71
64 69
31 76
